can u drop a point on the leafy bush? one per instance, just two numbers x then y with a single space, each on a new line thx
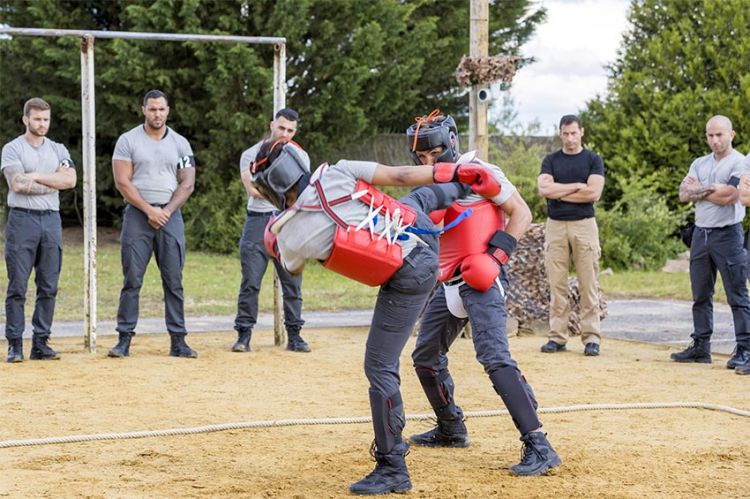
521 159
638 231
215 217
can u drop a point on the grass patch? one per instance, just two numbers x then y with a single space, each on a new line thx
653 284
212 281
211 285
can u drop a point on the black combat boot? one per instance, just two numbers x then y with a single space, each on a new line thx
447 433
743 369
295 342
243 341
40 350
537 455
740 356
698 351
390 473
179 348
122 349
15 350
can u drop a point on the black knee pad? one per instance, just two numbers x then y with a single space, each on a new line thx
388 419
520 401
438 386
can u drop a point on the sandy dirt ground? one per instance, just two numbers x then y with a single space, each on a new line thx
627 453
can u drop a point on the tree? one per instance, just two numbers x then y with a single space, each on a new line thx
680 63
355 69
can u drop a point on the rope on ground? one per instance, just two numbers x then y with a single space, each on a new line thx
355 420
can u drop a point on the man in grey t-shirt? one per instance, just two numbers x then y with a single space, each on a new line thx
36 169
717 244
254 257
154 170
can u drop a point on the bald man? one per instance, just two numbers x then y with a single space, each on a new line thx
717 243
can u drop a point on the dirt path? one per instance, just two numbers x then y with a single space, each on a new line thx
643 453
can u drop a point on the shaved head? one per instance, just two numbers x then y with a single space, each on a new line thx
719 135
719 121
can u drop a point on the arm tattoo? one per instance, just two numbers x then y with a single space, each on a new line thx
19 182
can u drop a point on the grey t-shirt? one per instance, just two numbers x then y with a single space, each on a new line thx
43 159
155 162
260 205
309 234
709 171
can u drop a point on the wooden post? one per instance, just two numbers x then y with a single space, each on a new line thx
478 47
279 102
88 115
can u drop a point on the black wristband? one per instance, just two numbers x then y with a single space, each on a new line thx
504 241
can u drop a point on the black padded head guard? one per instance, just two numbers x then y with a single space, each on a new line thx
431 131
276 170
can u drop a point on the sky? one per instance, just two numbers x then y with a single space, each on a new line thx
571 49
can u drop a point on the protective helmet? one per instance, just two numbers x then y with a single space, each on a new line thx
431 131
277 169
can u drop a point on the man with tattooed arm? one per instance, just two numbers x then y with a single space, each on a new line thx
36 169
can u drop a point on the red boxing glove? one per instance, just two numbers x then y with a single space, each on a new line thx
480 179
270 241
444 172
480 271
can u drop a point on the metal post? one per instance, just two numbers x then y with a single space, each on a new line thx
89 144
478 47
88 114
279 102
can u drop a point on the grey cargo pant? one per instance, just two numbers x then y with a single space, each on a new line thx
33 240
254 261
138 240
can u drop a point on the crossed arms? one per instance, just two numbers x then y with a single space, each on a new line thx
577 192
33 184
692 190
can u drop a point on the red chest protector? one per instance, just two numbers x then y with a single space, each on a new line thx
360 254
469 237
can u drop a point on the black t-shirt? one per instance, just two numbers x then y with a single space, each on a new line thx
569 169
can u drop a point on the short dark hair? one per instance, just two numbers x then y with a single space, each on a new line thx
569 119
35 103
288 113
154 94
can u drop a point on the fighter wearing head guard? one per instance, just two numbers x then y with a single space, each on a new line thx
472 255
339 218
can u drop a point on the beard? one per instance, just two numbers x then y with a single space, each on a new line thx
156 126
39 132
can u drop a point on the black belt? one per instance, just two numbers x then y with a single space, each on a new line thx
719 228
33 212
259 213
157 205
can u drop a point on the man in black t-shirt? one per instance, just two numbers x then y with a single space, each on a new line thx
572 180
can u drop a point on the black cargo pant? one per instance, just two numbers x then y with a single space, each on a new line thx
138 240
33 240
719 249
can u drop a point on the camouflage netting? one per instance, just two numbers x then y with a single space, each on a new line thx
482 70
528 296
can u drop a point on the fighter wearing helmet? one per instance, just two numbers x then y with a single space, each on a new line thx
339 218
472 255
